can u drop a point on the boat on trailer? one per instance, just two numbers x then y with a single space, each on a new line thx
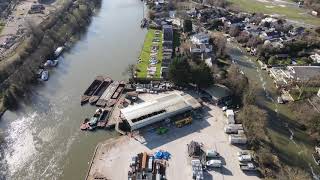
91 89
99 91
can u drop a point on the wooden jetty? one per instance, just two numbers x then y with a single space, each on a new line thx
99 91
91 89
107 94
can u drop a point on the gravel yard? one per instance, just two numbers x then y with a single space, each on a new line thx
112 160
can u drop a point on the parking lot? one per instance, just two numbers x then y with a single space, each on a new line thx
114 162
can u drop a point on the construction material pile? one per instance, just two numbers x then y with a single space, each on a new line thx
148 167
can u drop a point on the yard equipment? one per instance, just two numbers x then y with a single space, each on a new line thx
162 130
183 122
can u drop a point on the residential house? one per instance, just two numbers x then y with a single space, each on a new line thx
296 31
269 35
36 8
200 38
200 48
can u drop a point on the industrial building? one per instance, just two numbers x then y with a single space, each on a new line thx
155 110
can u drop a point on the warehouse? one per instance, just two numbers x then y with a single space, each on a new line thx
149 112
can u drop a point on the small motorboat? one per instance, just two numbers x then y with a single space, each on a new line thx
58 51
44 75
51 63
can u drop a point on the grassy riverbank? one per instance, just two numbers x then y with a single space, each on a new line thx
18 70
146 54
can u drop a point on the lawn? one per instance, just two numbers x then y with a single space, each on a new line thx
292 13
145 55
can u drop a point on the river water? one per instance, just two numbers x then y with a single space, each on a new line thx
43 139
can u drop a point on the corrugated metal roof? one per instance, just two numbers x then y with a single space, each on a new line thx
169 103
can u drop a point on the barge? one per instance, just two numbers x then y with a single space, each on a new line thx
114 98
107 94
91 89
99 91
98 120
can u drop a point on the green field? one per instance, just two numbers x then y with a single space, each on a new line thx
145 55
292 13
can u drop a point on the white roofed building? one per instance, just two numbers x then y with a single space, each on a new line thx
149 112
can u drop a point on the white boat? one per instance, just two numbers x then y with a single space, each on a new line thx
58 51
51 63
44 75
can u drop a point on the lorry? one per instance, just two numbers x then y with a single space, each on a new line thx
237 139
233 128
230 116
183 122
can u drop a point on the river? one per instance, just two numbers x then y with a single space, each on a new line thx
292 144
42 138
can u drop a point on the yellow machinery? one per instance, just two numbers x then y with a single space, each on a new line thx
183 122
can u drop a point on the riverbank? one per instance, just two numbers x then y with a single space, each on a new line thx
64 25
49 116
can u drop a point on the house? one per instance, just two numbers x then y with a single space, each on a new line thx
296 31
36 8
219 94
315 57
268 20
200 48
269 35
200 38
318 93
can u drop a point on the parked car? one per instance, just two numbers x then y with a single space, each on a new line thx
240 153
248 167
245 158
214 163
212 153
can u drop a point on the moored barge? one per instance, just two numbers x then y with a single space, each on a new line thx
91 89
99 91
107 94
114 98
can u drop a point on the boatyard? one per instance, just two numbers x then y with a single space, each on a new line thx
113 159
